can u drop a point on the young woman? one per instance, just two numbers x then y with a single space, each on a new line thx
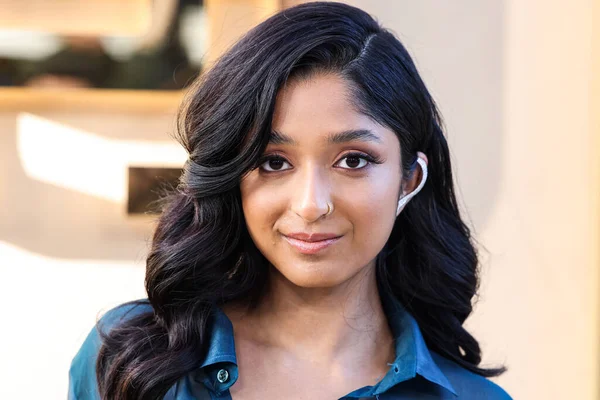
314 248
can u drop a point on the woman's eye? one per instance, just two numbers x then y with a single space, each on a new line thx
353 162
275 164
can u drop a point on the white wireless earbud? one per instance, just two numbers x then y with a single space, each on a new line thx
405 199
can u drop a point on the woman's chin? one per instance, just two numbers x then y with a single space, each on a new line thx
313 276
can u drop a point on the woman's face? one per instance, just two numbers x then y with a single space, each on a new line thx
323 153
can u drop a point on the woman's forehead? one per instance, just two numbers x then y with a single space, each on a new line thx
323 97
321 106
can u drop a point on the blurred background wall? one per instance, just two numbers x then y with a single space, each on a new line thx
518 85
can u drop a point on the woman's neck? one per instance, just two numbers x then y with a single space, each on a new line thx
345 325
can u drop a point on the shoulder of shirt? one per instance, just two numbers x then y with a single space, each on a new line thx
82 373
469 385
123 312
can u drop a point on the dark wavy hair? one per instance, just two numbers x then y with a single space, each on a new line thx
201 254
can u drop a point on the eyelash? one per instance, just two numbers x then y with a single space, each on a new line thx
370 160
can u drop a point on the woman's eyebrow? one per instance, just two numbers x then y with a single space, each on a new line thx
362 135
280 138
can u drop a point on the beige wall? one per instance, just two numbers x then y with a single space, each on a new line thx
230 19
513 81
68 251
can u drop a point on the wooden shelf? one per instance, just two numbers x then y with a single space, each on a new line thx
129 101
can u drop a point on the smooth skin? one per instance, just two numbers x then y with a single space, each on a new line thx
320 330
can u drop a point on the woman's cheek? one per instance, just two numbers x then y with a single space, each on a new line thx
262 205
372 210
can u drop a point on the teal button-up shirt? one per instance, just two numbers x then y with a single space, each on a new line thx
416 373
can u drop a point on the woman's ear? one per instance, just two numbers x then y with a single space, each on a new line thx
415 183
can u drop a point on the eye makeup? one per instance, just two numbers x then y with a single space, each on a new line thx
274 163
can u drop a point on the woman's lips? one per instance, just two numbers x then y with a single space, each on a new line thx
310 246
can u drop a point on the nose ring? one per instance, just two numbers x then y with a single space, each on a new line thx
329 209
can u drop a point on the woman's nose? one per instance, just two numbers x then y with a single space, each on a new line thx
311 195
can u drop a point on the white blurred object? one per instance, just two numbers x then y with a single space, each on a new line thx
28 45
92 164
48 307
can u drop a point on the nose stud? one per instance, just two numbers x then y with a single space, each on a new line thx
329 209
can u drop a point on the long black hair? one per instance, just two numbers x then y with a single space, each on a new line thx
202 256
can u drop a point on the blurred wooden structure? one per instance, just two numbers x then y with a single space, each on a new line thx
227 21
78 17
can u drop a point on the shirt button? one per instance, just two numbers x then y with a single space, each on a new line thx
222 376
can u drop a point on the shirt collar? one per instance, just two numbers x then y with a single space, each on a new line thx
220 355
221 347
412 355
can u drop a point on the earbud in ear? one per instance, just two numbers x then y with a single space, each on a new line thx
401 203
405 199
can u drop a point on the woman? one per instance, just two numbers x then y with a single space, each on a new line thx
296 260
